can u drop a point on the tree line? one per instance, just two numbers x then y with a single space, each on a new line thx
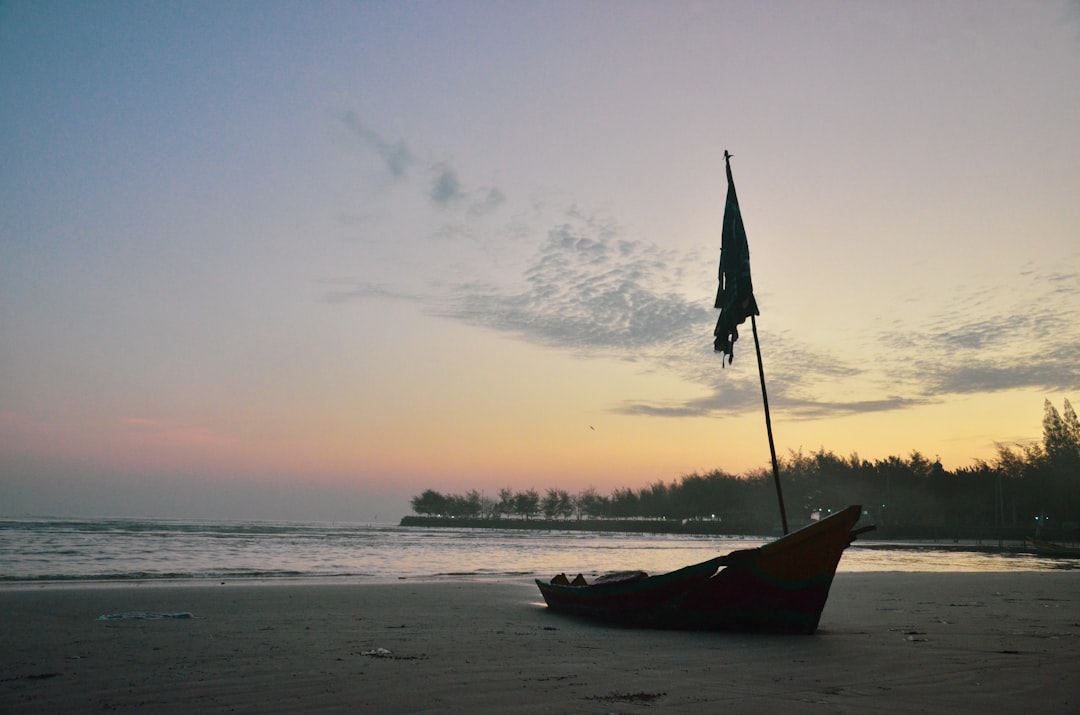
1034 487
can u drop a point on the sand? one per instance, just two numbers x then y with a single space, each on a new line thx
888 643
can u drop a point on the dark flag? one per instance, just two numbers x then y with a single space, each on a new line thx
735 297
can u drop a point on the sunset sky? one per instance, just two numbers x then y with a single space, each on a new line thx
306 260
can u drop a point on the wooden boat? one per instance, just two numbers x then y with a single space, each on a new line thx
779 587
1051 548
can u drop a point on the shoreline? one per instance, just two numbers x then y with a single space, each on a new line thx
888 642
763 530
894 566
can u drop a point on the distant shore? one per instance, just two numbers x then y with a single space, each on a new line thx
915 532
888 643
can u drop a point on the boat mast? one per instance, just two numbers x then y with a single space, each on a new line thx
735 299
768 427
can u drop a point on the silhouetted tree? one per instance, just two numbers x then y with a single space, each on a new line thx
1061 443
624 503
472 504
556 503
527 503
1019 485
653 501
430 502
591 504
505 504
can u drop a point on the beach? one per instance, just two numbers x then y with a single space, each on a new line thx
887 643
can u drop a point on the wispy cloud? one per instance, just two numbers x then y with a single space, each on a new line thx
446 187
587 289
487 202
395 155
1027 337
586 285
348 290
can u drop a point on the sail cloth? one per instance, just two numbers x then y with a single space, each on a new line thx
735 296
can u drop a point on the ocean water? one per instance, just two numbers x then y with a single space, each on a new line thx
37 550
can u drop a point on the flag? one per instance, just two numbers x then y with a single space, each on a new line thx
735 296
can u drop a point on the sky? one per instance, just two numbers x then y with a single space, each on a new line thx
306 260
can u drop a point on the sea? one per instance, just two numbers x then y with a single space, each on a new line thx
111 550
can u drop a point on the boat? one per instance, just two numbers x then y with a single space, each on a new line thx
779 587
1052 548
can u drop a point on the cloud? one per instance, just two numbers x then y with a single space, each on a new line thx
735 397
744 397
797 373
821 409
585 285
587 289
1027 339
984 376
349 290
446 188
396 156
489 201
591 291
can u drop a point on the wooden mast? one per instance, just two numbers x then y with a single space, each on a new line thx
734 239
768 427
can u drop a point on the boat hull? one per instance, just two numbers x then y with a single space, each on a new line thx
779 587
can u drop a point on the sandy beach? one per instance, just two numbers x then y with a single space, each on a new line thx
888 643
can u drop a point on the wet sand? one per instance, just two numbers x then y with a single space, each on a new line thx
888 643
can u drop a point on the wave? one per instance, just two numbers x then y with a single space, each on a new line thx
76 550
175 576
179 526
